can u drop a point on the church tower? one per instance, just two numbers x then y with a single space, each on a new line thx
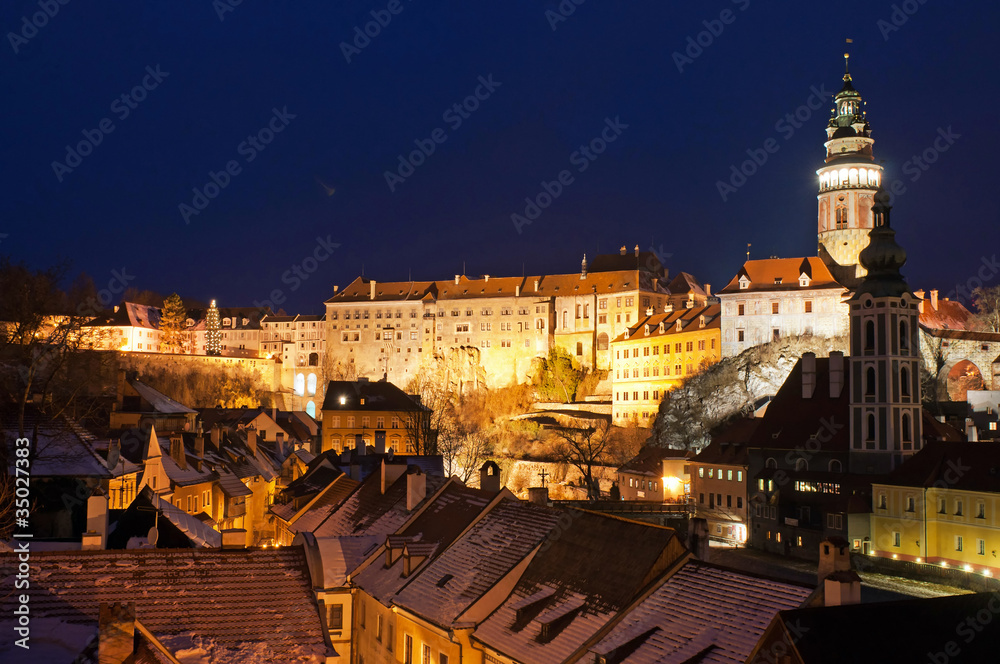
885 354
847 184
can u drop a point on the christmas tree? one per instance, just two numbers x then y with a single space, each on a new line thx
213 332
173 322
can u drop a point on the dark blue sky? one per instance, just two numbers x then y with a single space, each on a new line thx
655 185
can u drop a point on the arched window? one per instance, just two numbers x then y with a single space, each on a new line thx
771 463
579 348
870 382
871 427
863 176
299 385
311 409
314 359
602 341
906 429
801 465
904 335
904 381
836 466
841 216
565 319
870 335
843 176
854 176
311 384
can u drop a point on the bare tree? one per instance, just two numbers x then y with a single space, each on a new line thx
584 448
987 301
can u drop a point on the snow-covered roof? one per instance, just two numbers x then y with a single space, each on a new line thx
717 612
201 534
217 605
160 402
60 448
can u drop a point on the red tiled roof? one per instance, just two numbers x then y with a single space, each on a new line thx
229 603
690 320
763 274
949 315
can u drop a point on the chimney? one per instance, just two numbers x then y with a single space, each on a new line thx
623 250
274 414
636 251
489 477
216 436
517 290
336 288
808 375
371 294
656 283
583 267
836 373
359 445
116 632
177 452
486 277
934 300
456 278
279 441
416 487
252 440
234 538
96 537
698 538
536 284
841 584
708 290
538 495
391 473
199 443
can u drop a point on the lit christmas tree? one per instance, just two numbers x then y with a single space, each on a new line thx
213 332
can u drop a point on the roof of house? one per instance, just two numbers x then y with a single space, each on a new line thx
189 529
921 626
649 460
730 446
444 519
61 447
675 322
964 466
316 510
949 314
791 419
582 577
782 274
368 395
160 402
702 613
226 605
686 283
129 314
476 561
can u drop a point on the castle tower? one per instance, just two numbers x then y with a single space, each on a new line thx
885 352
847 183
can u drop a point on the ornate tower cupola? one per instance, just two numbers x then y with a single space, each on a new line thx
885 355
847 183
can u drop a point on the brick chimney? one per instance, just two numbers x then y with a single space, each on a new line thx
836 373
416 487
841 584
934 300
96 537
489 477
177 452
808 375
390 472
116 632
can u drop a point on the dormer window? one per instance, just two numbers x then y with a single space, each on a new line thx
804 280
777 281
744 283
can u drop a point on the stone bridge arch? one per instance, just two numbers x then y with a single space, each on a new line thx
959 375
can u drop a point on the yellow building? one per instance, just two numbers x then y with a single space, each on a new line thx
941 507
377 413
654 356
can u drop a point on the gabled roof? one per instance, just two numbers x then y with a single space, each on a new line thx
782 274
702 613
378 396
61 447
235 606
580 579
476 561
316 510
791 420
689 319
730 446
965 466
913 628
650 459
685 283
949 314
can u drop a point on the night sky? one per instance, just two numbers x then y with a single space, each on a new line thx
227 72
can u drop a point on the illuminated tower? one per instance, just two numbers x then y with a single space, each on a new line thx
847 184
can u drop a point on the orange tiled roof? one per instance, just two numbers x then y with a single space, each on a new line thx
782 274
690 320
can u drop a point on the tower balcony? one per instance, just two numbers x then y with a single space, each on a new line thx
849 178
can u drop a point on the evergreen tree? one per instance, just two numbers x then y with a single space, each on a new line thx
173 323
213 331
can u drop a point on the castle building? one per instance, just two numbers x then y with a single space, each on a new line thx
490 330
656 355
776 297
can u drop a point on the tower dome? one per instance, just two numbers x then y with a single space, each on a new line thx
883 257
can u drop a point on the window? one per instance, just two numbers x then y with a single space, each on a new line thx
739 475
774 307
689 346
809 306
378 628
910 504
334 616
881 501
870 336
981 511
701 472
896 539
958 542
981 547
739 502
958 508
425 657
741 309
942 506
407 649
739 335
